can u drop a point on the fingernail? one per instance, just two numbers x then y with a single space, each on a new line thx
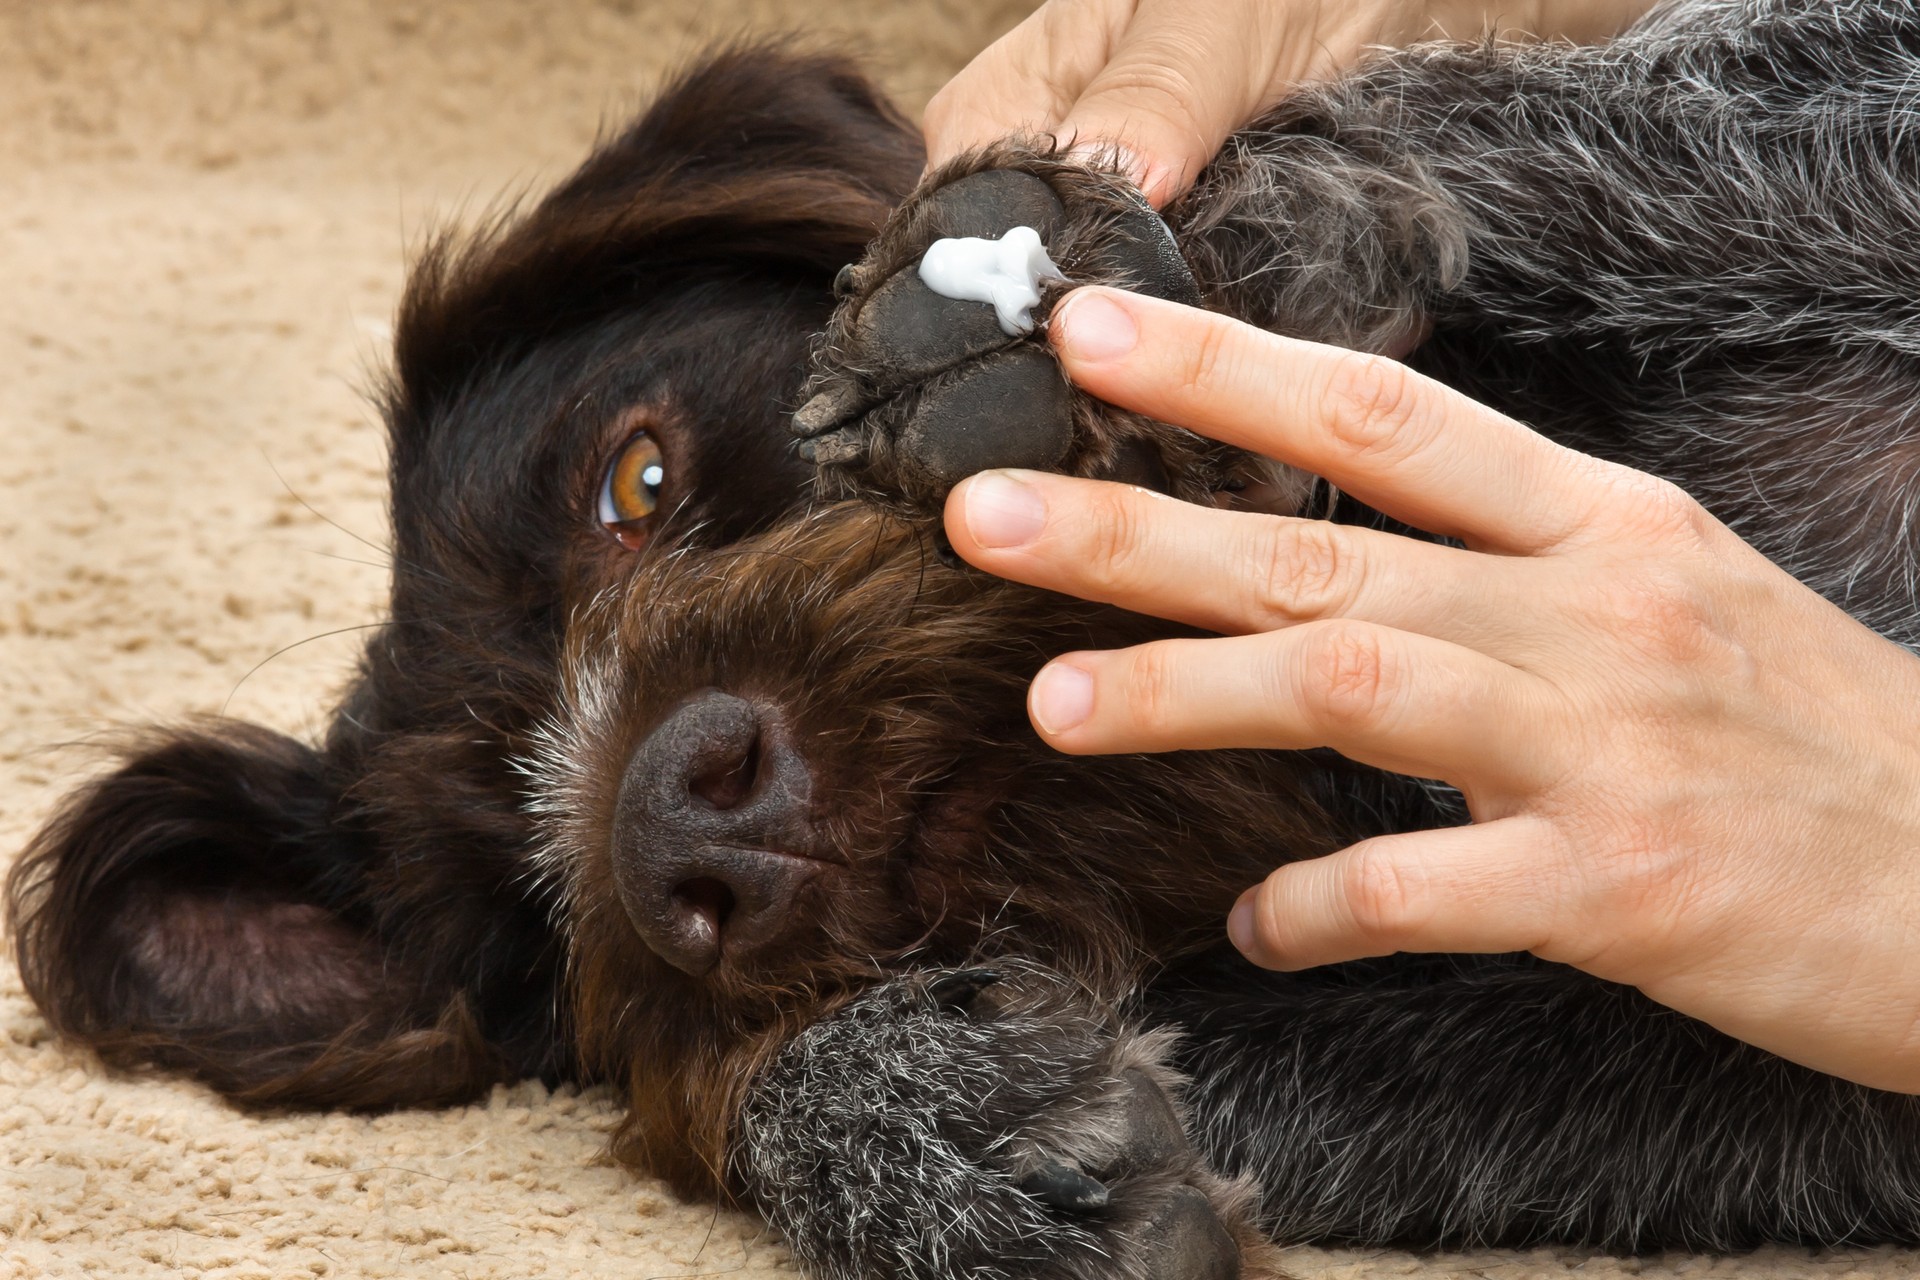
1000 511
1092 326
1061 698
1240 926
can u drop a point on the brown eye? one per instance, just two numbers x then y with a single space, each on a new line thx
631 492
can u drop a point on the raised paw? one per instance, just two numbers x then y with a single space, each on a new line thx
912 390
986 1123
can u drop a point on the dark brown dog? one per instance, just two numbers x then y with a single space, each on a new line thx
672 773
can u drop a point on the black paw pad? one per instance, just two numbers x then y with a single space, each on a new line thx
911 331
1067 1189
1184 1239
987 203
913 391
1012 409
1142 254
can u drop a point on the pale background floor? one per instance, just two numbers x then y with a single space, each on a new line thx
205 211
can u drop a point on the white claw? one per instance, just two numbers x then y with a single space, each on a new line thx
1006 273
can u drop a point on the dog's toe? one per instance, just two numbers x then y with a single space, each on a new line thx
1184 1239
1011 409
989 203
909 331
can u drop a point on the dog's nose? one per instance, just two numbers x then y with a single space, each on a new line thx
713 843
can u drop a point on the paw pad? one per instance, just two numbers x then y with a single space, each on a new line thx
913 391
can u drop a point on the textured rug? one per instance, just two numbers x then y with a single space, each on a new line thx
205 210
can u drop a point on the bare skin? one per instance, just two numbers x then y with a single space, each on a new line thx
1166 81
1686 771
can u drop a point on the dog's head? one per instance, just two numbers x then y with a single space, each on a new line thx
656 754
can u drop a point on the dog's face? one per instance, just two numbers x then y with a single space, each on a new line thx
657 754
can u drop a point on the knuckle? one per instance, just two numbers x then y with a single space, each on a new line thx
1306 571
1385 898
1153 687
1659 613
1373 406
1349 683
1658 510
1648 876
1110 555
1213 360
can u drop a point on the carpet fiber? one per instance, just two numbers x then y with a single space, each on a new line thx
207 207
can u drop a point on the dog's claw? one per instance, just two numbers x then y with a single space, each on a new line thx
1145 254
1065 1188
1155 1136
827 410
835 448
943 551
954 992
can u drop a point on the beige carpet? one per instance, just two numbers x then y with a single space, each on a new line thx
205 208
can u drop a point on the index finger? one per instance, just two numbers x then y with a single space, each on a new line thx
1400 442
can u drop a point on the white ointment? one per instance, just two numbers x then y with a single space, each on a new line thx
1006 273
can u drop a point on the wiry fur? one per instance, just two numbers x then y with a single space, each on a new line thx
1692 250
967 1103
1689 250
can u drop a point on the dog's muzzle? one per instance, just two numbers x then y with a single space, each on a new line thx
713 842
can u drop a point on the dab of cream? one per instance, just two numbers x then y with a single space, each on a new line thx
1006 273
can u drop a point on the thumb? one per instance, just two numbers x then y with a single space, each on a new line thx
1179 80
1489 887
1025 81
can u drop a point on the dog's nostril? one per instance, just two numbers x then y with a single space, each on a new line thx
707 901
714 841
726 782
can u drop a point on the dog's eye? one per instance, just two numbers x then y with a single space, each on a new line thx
631 492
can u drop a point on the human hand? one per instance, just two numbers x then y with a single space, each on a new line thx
1686 771
1166 81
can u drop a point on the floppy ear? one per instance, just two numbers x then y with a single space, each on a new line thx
758 160
201 909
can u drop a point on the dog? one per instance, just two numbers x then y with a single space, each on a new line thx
687 764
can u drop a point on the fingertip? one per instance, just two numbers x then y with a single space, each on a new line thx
1000 510
1241 929
1268 907
1160 157
1060 699
1093 325
1286 916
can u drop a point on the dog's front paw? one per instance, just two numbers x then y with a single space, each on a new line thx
913 390
966 1124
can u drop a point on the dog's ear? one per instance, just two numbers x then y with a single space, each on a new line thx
201 908
758 163
754 111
